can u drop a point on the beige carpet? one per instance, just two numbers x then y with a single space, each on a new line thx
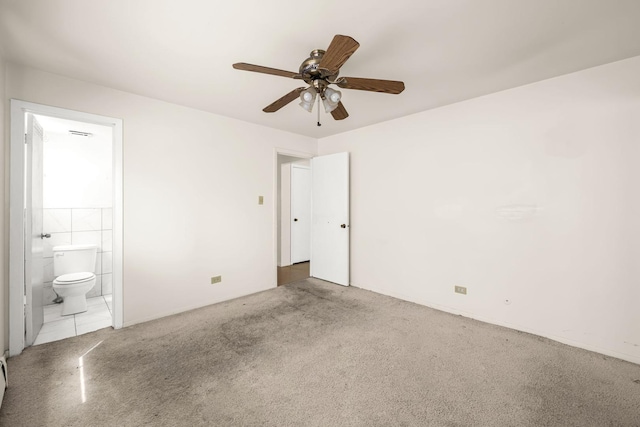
317 354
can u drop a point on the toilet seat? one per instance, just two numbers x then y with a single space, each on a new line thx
74 278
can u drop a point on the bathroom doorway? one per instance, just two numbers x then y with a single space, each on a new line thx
80 204
293 218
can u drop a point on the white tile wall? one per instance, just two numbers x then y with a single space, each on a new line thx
106 241
98 267
56 220
107 262
86 219
78 227
87 238
106 284
107 218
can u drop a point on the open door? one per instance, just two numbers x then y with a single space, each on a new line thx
34 262
330 218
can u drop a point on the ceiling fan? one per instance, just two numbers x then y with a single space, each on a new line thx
319 71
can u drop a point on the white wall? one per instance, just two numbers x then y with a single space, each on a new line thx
4 212
191 186
77 171
528 197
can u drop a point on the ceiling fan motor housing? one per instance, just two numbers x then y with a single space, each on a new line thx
309 68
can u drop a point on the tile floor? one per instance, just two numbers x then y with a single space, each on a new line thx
58 327
293 273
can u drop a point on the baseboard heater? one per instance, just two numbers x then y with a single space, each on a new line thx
3 377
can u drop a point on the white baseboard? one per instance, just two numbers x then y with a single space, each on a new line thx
586 346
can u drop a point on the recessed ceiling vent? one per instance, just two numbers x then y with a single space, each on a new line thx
78 133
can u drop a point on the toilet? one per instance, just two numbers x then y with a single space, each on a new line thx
73 267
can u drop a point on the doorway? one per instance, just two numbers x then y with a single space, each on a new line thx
99 221
328 195
293 218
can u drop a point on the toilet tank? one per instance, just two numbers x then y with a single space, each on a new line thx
74 259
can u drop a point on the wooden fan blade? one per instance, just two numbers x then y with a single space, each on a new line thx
340 113
275 106
340 49
372 85
265 70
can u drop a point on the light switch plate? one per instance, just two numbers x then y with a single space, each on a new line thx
261 200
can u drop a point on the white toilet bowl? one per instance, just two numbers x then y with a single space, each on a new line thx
73 289
73 267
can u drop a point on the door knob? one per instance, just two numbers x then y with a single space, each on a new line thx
343 226
45 236
295 219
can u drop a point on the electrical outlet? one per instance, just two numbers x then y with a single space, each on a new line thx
261 200
461 290
216 279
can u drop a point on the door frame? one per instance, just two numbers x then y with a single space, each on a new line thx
17 220
276 183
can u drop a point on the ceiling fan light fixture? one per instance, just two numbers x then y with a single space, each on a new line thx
331 99
320 70
307 98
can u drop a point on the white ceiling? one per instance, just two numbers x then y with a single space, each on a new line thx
445 51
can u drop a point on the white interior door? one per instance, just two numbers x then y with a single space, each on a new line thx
34 263
330 218
300 214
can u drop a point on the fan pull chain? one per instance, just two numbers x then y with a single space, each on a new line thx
319 112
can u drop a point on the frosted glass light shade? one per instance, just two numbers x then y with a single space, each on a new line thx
307 98
331 99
